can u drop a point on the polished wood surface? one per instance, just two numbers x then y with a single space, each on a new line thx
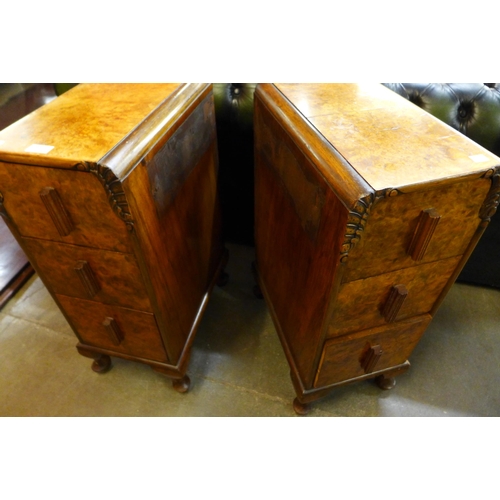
302 225
113 277
182 227
139 329
328 162
113 110
386 241
355 118
92 221
124 227
346 357
367 208
364 302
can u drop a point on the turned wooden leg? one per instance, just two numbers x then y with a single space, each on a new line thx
182 384
385 383
102 363
179 384
300 408
222 279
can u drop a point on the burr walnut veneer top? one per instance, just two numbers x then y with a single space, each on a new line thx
389 141
83 124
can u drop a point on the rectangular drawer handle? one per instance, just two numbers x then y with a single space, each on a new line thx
370 358
57 211
396 298
87 277
426 226
114 332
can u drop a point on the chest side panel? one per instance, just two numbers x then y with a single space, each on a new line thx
299 232
173 197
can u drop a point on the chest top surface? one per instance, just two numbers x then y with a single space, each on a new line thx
81 125
389 141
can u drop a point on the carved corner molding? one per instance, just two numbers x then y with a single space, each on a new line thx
490 204
113 187
357 218
356 222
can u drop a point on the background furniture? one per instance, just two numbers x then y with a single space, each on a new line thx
234 117
128 248
474 110
367 208
61 88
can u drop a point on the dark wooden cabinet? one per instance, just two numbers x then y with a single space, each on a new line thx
367 208
111 190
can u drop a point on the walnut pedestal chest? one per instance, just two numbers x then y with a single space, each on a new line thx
111 192
367 208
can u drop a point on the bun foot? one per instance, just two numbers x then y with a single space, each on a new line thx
101 364
182 384
223 279
300 408
385 383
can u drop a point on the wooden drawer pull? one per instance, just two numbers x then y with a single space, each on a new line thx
396 298
87 277
114 332
426 226
370 358
57 212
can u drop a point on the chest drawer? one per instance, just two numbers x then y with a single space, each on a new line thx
87 273
378 300
115 328
397 222
62 205
372 350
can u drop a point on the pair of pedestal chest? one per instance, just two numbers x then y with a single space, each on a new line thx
367 208
111 190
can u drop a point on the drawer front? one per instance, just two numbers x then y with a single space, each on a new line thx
62 205
369 351
415 228
115 328
389 297
87 273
